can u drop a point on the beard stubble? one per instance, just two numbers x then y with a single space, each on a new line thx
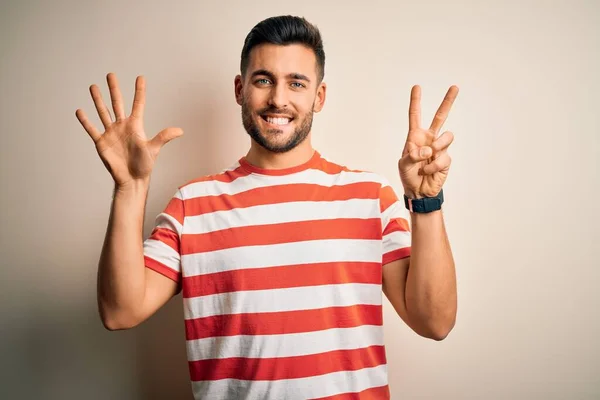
268 139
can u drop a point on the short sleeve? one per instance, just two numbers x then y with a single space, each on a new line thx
162 249
396 234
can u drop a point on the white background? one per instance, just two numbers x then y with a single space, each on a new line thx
521 204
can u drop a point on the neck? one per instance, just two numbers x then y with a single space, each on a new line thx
263 158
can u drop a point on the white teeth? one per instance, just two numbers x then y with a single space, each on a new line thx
278 121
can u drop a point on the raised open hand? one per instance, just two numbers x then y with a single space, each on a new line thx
123 147
425 161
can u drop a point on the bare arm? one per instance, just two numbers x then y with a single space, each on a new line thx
128 292
425 290
422 287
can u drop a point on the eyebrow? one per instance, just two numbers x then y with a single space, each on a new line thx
293 75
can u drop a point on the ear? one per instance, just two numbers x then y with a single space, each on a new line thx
320 98
239 89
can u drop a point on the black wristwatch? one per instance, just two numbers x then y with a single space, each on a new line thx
426 204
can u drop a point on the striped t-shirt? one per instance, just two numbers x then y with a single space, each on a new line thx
281 277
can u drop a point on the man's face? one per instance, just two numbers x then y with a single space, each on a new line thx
278 94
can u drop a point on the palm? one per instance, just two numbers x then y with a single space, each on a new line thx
424 176
123 147
124 151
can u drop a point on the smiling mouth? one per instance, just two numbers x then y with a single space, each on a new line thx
279 121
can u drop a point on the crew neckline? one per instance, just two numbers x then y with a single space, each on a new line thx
283 171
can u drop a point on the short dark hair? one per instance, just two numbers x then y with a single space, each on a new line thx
284 30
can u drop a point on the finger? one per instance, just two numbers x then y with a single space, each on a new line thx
163 137
441 163
444 109
414 110
115 96
87 125
103 112
442 142
416 155
139 99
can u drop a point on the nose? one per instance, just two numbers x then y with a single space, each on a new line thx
278 96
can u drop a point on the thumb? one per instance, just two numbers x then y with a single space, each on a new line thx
165 136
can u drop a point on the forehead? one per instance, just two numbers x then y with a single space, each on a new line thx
283 60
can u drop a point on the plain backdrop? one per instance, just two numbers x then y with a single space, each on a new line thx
522 197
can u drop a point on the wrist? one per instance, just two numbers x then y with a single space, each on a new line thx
412 194
132 187
424 204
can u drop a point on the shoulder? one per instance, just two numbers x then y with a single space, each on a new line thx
362 175
208 184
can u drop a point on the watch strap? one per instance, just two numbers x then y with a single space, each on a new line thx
425 204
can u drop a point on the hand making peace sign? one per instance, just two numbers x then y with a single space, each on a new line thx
425 161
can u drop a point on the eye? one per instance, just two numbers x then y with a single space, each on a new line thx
298 85
262 81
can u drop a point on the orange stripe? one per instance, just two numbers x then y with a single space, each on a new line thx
332 168
395 255
287 367
276 323
161 269
288 232
387 197
397 225
280 194
282 277
376 393
175 209
166 236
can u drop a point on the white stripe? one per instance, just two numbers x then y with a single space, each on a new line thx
293 389
306 252
285 345
242 184
162 253
281 213
164 220
396 210
286 299
396 240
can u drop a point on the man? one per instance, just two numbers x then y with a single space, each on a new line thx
282 258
